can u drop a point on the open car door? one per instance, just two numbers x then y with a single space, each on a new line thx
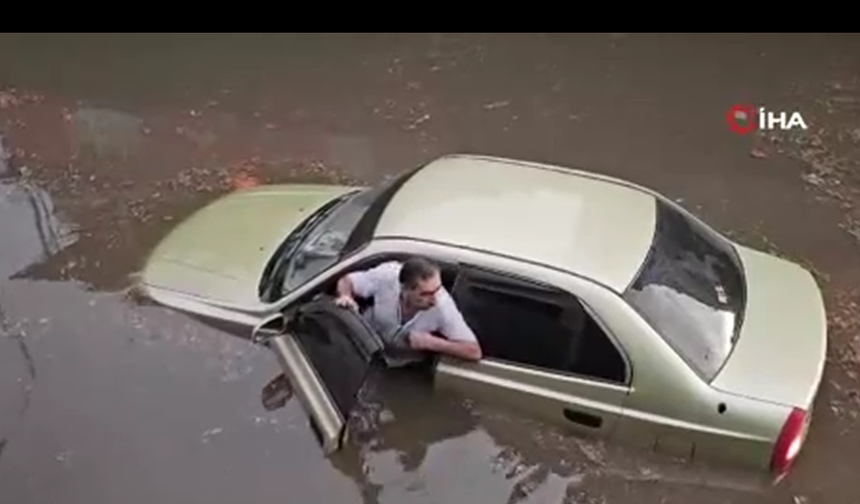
327 353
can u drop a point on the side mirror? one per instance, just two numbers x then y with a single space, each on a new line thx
273 326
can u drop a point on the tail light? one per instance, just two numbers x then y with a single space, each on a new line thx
788 443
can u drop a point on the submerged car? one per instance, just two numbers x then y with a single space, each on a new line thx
600 305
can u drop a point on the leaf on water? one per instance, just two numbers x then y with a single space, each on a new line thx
8 99
418 122
758 154
497 104
813 178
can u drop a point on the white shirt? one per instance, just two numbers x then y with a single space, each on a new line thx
382 283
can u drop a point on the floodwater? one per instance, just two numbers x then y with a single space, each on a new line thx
108 140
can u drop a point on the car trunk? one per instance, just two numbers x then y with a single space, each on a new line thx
781 349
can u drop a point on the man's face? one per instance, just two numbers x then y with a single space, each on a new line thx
423 296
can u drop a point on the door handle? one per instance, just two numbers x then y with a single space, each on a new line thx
586 419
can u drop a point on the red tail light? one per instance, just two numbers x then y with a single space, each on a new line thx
788 443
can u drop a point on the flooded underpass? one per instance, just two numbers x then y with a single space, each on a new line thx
109 140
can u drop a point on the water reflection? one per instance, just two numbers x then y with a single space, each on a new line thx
17 374
399 419
5 167
29 229
29 232
411 443
105 134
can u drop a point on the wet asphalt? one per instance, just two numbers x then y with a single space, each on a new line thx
108 140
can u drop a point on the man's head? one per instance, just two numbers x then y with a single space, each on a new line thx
420 281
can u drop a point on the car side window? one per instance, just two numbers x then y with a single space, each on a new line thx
536 326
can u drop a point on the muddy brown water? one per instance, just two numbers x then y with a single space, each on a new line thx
108 140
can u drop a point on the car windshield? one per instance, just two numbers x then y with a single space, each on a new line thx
324 243
338 227
691 290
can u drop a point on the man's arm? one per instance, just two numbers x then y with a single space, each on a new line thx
344 287
466 350
459 341
362 284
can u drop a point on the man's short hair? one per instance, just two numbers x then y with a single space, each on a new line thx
416 269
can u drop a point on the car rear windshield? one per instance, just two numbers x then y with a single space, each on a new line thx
691 290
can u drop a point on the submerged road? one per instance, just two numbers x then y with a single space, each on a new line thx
106 141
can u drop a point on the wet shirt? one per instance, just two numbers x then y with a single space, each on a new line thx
382 283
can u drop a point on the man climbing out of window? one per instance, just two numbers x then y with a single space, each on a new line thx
410 304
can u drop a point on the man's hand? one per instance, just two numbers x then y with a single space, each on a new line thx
346 301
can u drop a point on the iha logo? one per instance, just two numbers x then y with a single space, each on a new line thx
744 119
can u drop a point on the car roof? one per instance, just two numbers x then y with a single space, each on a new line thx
586 224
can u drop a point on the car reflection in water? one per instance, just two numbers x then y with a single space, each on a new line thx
30 232
398 414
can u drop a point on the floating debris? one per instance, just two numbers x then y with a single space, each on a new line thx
64 457
418 122
497 104
758 154
244 181
210 433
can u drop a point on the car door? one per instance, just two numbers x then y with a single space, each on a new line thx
327 353
537 355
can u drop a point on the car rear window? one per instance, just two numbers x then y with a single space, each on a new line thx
691 290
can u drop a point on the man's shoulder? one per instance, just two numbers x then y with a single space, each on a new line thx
385 275
445 303
389 267
449 318
391 264
385 268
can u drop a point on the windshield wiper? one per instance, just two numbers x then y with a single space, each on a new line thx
294 241
310 224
